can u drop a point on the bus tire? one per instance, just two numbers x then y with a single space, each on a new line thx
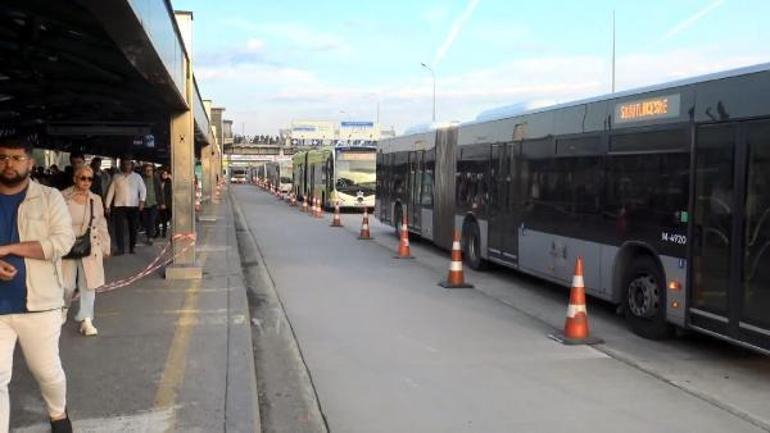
398 216
645 299
472 246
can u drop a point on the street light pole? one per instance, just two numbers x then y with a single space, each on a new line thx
433 75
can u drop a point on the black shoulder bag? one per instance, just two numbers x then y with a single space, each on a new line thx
82 246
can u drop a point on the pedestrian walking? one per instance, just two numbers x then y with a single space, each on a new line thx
63 179
126 196
153 201
86 272
35 232
165 208
101 178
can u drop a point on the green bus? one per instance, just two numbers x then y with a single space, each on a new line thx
336 174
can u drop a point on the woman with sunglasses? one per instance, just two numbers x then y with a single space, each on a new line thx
86 273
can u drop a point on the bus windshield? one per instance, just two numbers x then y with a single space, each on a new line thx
354 175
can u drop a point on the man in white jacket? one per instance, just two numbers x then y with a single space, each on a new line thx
35 232
126 195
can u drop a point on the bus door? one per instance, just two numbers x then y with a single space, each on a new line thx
305 174
330 177
311 188
503 237
497 195
730 266
416 168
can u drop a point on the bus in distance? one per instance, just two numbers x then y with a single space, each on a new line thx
336 174
279 173
664 192
239 174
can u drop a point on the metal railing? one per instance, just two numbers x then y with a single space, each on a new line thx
159 23
157 18
199 113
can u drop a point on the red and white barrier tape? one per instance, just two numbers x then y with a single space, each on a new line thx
161 260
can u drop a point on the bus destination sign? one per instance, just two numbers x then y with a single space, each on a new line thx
662 107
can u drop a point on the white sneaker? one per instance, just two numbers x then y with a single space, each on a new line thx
87 328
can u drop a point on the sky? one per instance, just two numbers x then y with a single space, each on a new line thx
268 63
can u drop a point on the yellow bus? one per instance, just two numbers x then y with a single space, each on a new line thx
343 174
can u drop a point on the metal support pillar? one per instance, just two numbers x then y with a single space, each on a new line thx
182 143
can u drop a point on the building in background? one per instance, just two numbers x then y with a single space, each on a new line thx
332 132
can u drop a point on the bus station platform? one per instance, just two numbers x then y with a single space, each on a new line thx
171 355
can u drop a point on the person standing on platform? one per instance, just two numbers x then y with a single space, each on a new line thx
126 194
165 208
35 232
85 273
152 203
101 178
64 179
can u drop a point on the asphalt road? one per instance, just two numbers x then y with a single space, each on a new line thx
390 351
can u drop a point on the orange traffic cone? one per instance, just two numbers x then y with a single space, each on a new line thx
403 244
311 207
365 234
456 278
292 200
337 221
303 208
319 209
576 325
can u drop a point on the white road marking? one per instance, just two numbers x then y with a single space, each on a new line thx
149 422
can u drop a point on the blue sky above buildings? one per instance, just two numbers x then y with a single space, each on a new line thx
270 62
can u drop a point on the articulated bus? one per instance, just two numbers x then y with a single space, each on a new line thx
344 174
280 173
664 191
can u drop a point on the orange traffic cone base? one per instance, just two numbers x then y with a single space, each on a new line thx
448 285
563 339
403 257
365 238
336 220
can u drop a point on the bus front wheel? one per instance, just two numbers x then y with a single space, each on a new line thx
645 299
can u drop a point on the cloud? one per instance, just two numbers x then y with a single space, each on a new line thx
300 37
457 26
255 45
251 74
435 14
267 97
253 51
690 21
634 70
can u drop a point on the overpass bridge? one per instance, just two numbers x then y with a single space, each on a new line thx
109 78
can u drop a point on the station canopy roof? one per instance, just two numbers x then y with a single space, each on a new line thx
95 76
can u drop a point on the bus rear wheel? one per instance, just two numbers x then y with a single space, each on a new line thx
645 299
397 218
472 246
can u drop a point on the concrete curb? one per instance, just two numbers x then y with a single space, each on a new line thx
242 396
257 276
